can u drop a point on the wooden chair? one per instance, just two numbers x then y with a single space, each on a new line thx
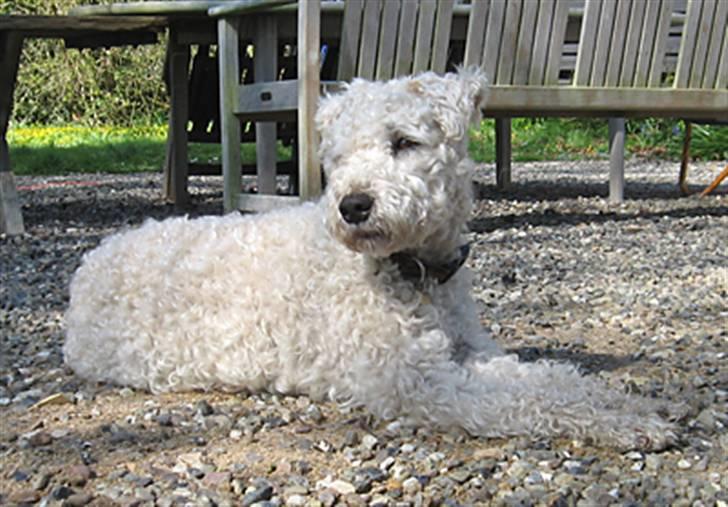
378 39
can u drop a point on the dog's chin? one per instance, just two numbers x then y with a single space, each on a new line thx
374 243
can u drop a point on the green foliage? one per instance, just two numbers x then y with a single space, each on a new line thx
115 86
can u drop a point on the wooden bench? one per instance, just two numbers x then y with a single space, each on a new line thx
627 58
87 32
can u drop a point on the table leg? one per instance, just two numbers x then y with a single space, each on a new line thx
176 164
11 219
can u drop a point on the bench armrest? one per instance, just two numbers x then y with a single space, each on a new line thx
239 7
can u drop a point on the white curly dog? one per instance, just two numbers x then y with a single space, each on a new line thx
359 297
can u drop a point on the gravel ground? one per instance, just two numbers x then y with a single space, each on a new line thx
634 293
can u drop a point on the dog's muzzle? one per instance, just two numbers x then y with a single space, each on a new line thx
355 208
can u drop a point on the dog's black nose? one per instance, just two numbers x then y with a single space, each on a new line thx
355 208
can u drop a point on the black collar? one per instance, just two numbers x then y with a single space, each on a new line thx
415 270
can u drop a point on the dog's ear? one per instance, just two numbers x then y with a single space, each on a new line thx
330 107
458 98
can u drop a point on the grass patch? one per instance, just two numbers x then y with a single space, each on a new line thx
77 149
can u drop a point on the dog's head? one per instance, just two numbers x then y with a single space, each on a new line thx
395 157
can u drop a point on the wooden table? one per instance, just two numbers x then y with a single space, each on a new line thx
87 32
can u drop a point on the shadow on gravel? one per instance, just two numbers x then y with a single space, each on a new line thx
550 190
552 218
587 362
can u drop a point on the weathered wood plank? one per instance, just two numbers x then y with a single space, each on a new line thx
587 42
60 26
388 39
687 44
406 39
476 32
647 42
242 7
603 43
707 18
350 34
423 42
721 82
507 56
229 61
541 36
572 101
153 7
262 203
556 42
309 63
619 38
525 45
717 37
441 38
658 52
492 43
265 67
176 163
632 44
369 39
11 218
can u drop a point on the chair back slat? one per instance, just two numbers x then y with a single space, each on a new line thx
649 32
619 40
388 39
476 32
718 38
524 46
369 39
603 43
687 43
441 41
506 58
632 43
587 41
541 37
657 63
722 79
406 39
349 46
493 38
701 46
423 37
556 42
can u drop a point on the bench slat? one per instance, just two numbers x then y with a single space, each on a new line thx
387 39
506 57
405 42
556 43
492 43
697 70
423 42
603 43
717 36
687 45
443 27
647 42
544 17
632 44
658 52
525 45
476 32
369 39
619 39
349 46
587 41
722 79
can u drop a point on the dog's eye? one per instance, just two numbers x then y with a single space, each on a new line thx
402 143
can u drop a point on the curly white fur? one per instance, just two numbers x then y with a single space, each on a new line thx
301 301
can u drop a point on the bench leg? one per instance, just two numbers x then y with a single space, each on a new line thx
11 219
228 52
503 153
616 160
176 164
265 67
685 159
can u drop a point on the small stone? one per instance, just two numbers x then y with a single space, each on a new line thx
126 392
314 414
380 501
342 487
41 482
411 486
203 408
327 497
258 495
217 479
574 467
351 438
39 439
369 441
684 464
78 500
296 501
61 492
237 486
24 497
77 475
653 462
